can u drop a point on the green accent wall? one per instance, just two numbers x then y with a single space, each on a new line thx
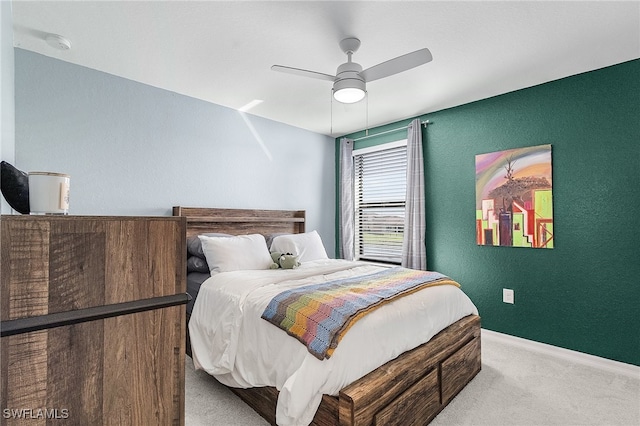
584 294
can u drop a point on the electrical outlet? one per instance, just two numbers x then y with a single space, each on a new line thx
507 295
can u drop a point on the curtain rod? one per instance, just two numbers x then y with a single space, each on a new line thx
424 123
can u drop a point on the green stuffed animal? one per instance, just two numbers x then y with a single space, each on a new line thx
275 256
288 261
284 260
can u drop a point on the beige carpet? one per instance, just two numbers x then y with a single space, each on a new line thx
515 387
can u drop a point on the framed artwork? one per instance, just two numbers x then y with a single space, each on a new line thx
514 198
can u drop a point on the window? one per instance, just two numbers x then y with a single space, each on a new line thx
380 190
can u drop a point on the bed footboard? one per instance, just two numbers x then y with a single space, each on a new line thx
409 390
431 374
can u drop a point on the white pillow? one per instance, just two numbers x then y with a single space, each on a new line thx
307 246
236 253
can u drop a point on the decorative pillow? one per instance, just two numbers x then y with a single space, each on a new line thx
197 264
241 252
307 246
194 245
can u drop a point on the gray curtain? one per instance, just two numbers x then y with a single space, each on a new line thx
414 251
347 246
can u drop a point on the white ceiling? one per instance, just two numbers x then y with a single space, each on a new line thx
222 51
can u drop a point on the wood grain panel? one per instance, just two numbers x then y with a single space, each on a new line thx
76 265
459 369
125 370
177 367
118 384
262 400
75 370
126 262
4 369
327 414
241 221
24 289
162 350
145 258
148 388
166 240
264 228
26 372
414 407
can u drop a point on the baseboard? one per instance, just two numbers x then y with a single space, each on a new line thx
612 366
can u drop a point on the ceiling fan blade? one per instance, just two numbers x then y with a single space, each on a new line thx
397 65
303 73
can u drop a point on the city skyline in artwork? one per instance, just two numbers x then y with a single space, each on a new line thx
514 198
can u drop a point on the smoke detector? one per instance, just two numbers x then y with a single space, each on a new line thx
58 42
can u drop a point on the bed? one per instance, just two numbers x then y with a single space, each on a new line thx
412 387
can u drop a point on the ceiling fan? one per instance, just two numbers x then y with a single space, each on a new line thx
350 80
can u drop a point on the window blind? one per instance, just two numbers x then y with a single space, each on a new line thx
380 190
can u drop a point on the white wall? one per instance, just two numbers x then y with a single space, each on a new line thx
132 149
7 113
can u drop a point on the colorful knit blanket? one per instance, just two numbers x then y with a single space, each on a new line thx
318 315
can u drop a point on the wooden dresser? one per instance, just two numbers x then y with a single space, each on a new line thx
93 320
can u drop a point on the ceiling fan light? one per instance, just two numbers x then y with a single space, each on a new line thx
349 90
349 95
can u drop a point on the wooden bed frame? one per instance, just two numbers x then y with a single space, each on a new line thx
409 390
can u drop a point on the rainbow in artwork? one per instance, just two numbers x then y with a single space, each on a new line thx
514 198
318 315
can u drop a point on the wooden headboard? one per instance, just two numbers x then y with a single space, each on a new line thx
241 221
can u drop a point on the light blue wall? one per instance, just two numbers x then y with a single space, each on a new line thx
132 149
7 108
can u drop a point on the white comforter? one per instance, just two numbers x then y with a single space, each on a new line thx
233 343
